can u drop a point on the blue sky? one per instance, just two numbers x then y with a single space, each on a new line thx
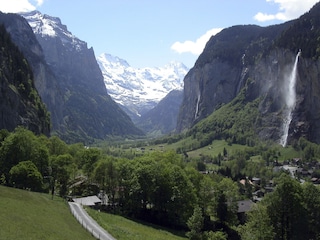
151 33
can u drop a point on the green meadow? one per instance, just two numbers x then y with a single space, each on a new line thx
28 215
125 229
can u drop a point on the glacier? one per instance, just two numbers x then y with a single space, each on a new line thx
140 89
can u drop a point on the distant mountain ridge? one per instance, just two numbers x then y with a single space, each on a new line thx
139 89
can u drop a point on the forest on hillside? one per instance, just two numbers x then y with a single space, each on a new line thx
170 189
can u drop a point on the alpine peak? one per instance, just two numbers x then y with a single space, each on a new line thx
48 26
140 89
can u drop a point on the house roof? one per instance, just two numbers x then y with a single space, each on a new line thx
87 201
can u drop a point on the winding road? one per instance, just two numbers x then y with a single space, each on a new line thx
88 223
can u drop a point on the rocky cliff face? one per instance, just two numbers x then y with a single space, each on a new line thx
20 104
44 79
86 110
221 70
259 60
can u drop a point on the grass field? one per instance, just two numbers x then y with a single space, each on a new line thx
124 229
215 148
27 215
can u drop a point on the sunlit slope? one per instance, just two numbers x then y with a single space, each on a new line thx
29 215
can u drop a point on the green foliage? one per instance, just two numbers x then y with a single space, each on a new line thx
225 205
290 212
217 235
285 209
3 134
167 189
258 226
126 229
62 166
106 174
195 224
22 145
26 175
233 122
156 189
311 200
88 157
56 146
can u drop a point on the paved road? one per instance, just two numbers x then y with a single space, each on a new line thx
88 223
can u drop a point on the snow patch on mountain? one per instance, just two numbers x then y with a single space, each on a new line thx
140 89
46 25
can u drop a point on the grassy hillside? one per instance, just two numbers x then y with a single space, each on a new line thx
124 229
28 215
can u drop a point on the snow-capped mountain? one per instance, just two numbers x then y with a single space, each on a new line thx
48 26
136 89
86 111
140 89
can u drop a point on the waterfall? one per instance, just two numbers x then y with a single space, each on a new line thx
197 106
290 101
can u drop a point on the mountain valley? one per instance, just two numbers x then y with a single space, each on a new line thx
229 149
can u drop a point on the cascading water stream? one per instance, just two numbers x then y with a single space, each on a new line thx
290 101
197 106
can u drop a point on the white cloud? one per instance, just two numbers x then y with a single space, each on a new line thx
39 3
288 9
14 6
195 47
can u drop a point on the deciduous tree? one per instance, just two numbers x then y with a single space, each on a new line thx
26 175
258 225
285 209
